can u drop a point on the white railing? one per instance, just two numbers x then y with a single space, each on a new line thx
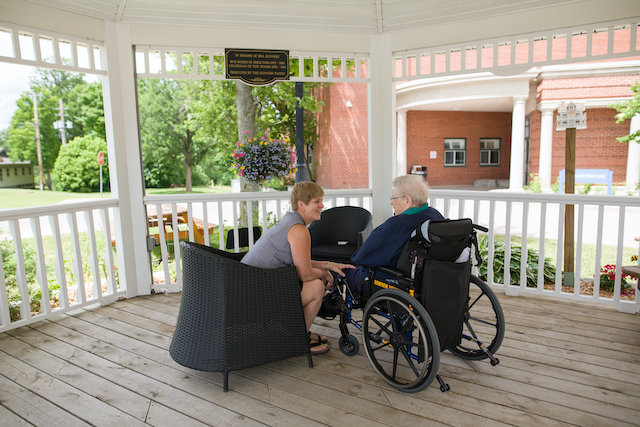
599 220
53 251
66 246
195 214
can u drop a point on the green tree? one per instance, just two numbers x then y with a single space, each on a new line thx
627 110
170 129
77 167
51 86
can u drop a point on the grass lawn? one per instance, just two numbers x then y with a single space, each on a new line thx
11 198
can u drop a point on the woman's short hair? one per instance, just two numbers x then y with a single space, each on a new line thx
305 191
414 186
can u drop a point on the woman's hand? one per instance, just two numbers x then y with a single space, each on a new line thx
336 267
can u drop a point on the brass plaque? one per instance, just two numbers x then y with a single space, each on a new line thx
257 67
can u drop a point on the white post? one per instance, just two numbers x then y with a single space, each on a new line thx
402 142
546 147
633 156
120 115
517 144
382 127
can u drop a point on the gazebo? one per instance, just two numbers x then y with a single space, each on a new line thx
387 42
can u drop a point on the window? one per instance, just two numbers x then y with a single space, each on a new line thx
489 151
455 151
0 174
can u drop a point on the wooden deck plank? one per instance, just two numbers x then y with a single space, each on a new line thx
32 408
171 384
561 363
80 404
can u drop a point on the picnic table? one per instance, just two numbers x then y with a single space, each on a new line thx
182 216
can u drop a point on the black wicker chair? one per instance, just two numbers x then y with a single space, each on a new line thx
234 316
339 233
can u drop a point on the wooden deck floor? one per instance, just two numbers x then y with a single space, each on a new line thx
561 363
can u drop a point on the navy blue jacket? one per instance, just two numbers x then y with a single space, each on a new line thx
384 245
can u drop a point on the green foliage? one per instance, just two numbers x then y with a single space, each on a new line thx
172 142
83 107
534 185
10 264
627 110
514 264
77 167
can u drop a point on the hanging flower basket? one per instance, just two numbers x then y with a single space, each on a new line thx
264 158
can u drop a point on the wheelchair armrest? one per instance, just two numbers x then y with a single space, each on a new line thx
393 272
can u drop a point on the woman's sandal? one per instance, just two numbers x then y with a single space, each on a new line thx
316 345
317 338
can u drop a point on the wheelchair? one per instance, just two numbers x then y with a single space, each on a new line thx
429 302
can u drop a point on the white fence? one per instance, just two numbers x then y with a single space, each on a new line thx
222 210
58 245
64 252
600 221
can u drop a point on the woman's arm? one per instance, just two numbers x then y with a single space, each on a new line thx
300 242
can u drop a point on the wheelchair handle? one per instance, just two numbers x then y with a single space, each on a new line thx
481 228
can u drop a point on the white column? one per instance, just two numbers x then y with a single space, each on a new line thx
402 142
633 156
546 147
121 125
517 144
382 126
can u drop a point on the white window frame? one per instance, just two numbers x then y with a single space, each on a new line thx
495 147
457 147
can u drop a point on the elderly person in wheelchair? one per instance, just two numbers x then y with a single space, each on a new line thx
383 246
417 294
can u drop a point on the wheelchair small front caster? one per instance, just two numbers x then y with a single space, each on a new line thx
349 345
444 387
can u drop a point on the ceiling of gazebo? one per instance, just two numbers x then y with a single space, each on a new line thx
368 16
345 16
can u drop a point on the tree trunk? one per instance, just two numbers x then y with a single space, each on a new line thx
246 106
187 176
49 185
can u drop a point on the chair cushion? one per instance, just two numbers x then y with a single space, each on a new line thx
333 252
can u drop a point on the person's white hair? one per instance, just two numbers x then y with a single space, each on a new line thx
413 186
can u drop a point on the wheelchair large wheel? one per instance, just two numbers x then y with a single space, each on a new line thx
483 323
400 340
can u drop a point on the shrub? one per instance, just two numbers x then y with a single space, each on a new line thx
13 293
77 167
514 264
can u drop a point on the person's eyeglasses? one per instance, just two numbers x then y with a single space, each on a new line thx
396 197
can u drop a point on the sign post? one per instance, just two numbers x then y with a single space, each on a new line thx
100 162
570 117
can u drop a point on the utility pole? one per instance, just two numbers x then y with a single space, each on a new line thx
61 124
63 131
37 125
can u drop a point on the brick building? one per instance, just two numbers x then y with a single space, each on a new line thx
461 127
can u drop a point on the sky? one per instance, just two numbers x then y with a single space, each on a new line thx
14 80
